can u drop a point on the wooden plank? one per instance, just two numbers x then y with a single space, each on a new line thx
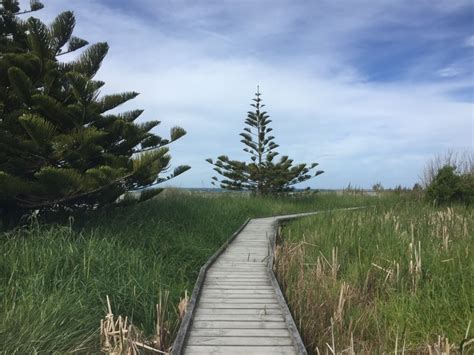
226 270
236 305
248 281
237 293
251 300
238 325
261 247
240 317
248 258
243 290
259 299
236 296
248 248
241 350
244 273
237 276
230 278
242 259
239 341
245 259
238 263
251 237
244 256
238 270
255 311
244 250
242 332
237 273
237 282
238 287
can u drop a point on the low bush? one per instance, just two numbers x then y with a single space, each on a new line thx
448 186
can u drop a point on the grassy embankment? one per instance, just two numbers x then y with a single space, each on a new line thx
54 278
395 277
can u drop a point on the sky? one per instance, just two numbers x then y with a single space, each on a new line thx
371 90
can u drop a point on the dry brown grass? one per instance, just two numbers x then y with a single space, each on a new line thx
120 337
384 281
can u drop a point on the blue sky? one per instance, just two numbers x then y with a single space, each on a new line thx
369 89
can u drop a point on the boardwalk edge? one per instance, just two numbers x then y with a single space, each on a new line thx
186 323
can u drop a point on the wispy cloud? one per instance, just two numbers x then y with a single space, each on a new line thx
365 89
470 41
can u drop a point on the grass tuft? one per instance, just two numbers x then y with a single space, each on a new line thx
54 278
396 276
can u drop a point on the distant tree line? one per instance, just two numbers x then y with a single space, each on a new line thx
446 178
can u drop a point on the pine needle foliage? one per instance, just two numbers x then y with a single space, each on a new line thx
263 175
59 145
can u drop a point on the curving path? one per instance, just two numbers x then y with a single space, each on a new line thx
237 306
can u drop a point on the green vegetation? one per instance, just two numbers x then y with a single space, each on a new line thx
55 278
262 175
395 276
58 145
450 186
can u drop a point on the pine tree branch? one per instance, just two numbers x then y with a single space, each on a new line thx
70 198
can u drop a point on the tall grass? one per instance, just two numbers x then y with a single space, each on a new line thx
393 277
54 278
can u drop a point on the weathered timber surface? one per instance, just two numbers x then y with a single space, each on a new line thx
237 306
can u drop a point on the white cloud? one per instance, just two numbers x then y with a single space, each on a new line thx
449 72
470 41
323 108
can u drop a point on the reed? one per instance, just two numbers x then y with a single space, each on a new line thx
396 277
55 276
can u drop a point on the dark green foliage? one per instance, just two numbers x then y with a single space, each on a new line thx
466 187
58 145
262 174
449 186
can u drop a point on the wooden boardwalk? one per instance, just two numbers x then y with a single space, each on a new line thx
239 308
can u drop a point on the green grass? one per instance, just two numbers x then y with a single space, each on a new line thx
384 302
54 278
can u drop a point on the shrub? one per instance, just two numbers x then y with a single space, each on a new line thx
449 186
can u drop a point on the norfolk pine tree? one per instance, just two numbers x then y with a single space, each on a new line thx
262 175
59 146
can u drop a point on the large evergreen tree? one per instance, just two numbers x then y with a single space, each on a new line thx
59 146
262 175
